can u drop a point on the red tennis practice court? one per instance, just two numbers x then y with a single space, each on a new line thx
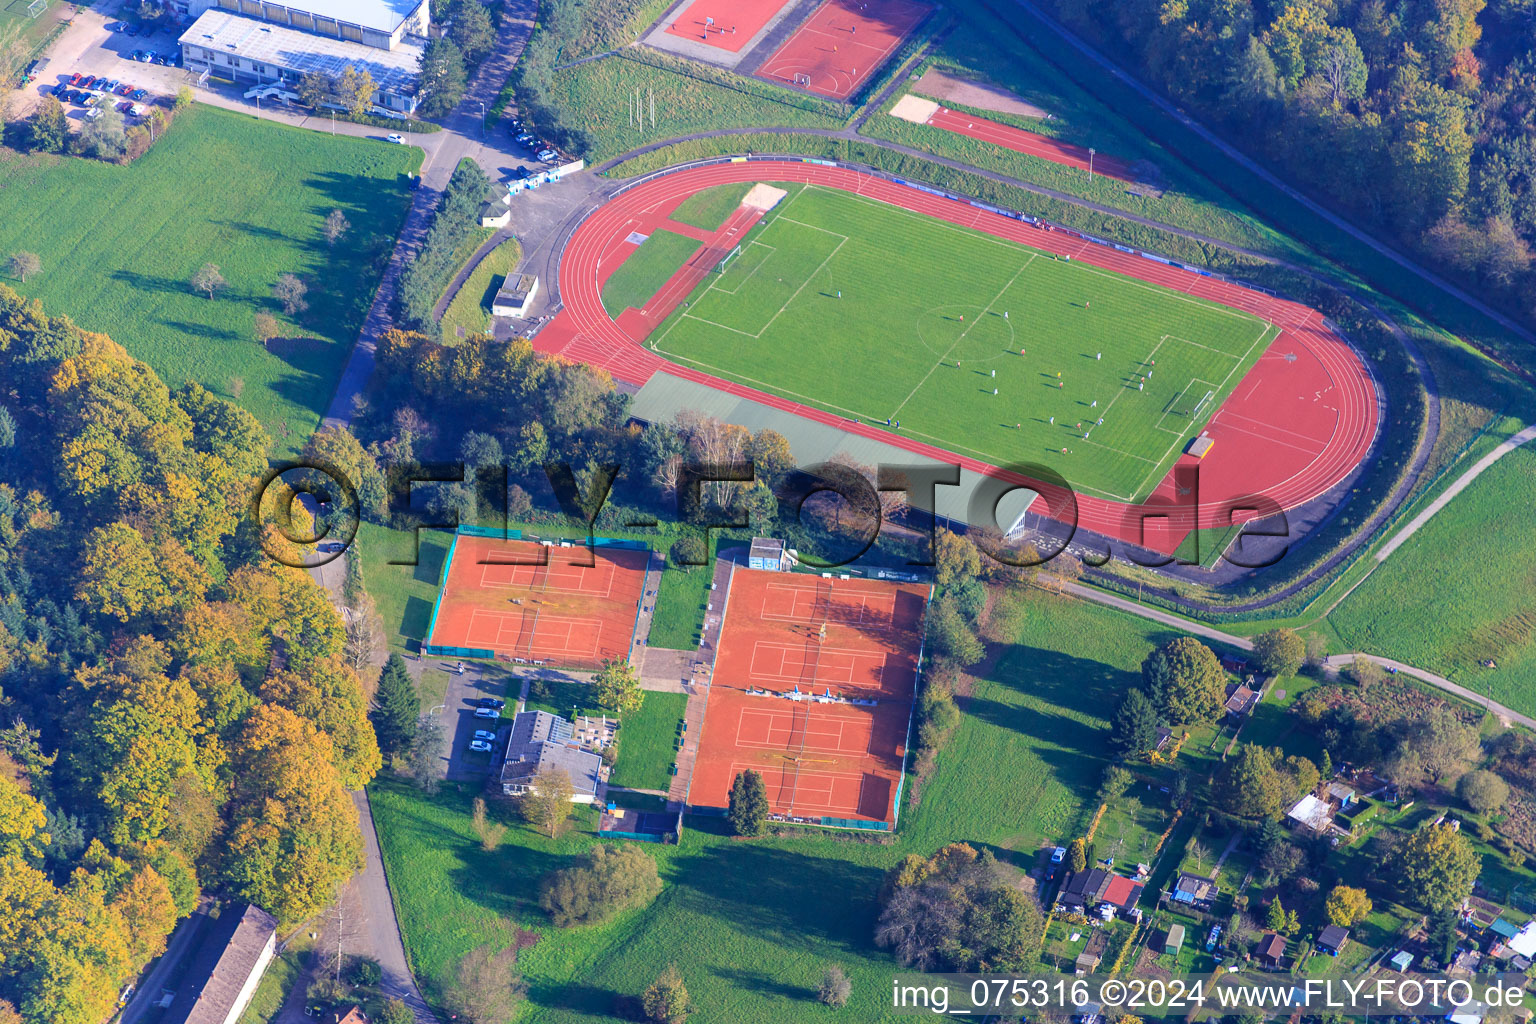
726 24
813 689
842 44
550 605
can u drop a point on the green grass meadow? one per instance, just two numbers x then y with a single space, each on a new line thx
646 269
470 311
118 245
709 208
1459 590
933 317
647 742
752 925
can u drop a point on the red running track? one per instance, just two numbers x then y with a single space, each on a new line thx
1300 420
1031 143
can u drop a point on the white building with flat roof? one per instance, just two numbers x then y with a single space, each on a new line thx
249 50
384 24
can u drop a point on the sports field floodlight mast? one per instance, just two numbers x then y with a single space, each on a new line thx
1090 161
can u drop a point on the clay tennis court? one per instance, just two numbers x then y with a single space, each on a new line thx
569 606
795 652
727 24
842 44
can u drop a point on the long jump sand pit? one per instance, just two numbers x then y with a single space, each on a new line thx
550 605
813 689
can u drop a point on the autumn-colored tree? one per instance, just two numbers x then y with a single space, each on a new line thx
294 834
1347 906
616 687
22 821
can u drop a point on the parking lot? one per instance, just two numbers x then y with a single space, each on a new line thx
91 48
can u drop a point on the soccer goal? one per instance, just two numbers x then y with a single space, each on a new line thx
728 258
804 81
36 8
1200 405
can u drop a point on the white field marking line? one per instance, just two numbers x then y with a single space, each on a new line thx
552 582
787 302
751 273
1085 267
1220 396
1193 381
987 309
763 224
1314 452
1270 426
940 442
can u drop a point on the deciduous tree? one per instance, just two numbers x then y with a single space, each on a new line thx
1437 867
1347 906
23 265
616 688
208 279
666 999
748 809
1185 680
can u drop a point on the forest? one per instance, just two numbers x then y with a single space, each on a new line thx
1413 116
179 710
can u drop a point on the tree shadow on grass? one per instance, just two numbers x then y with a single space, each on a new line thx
202 330
416 618
762 984
762 892
258 231
302 353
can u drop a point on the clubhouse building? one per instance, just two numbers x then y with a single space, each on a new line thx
271 44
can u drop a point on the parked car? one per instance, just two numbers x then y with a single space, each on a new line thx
93 113
87 81
484 734
111 85
521 173
148 56
133 29
74 79
159 60
491 702
397 139
487 713
480 746
549 156
125 107
1058 855
138 94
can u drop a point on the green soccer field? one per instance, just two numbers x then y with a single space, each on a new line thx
933 317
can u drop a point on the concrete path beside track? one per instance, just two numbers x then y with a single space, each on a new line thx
1461 484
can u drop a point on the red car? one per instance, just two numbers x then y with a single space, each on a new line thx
125 106
85 83
124 89
74 79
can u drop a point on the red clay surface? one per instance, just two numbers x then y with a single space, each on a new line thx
1031 143
735 21
817 758
842 44
713 247
568 606
1299 421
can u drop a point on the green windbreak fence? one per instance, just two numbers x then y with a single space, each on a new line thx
437 651
868 826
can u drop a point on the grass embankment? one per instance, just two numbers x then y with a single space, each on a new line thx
470 311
